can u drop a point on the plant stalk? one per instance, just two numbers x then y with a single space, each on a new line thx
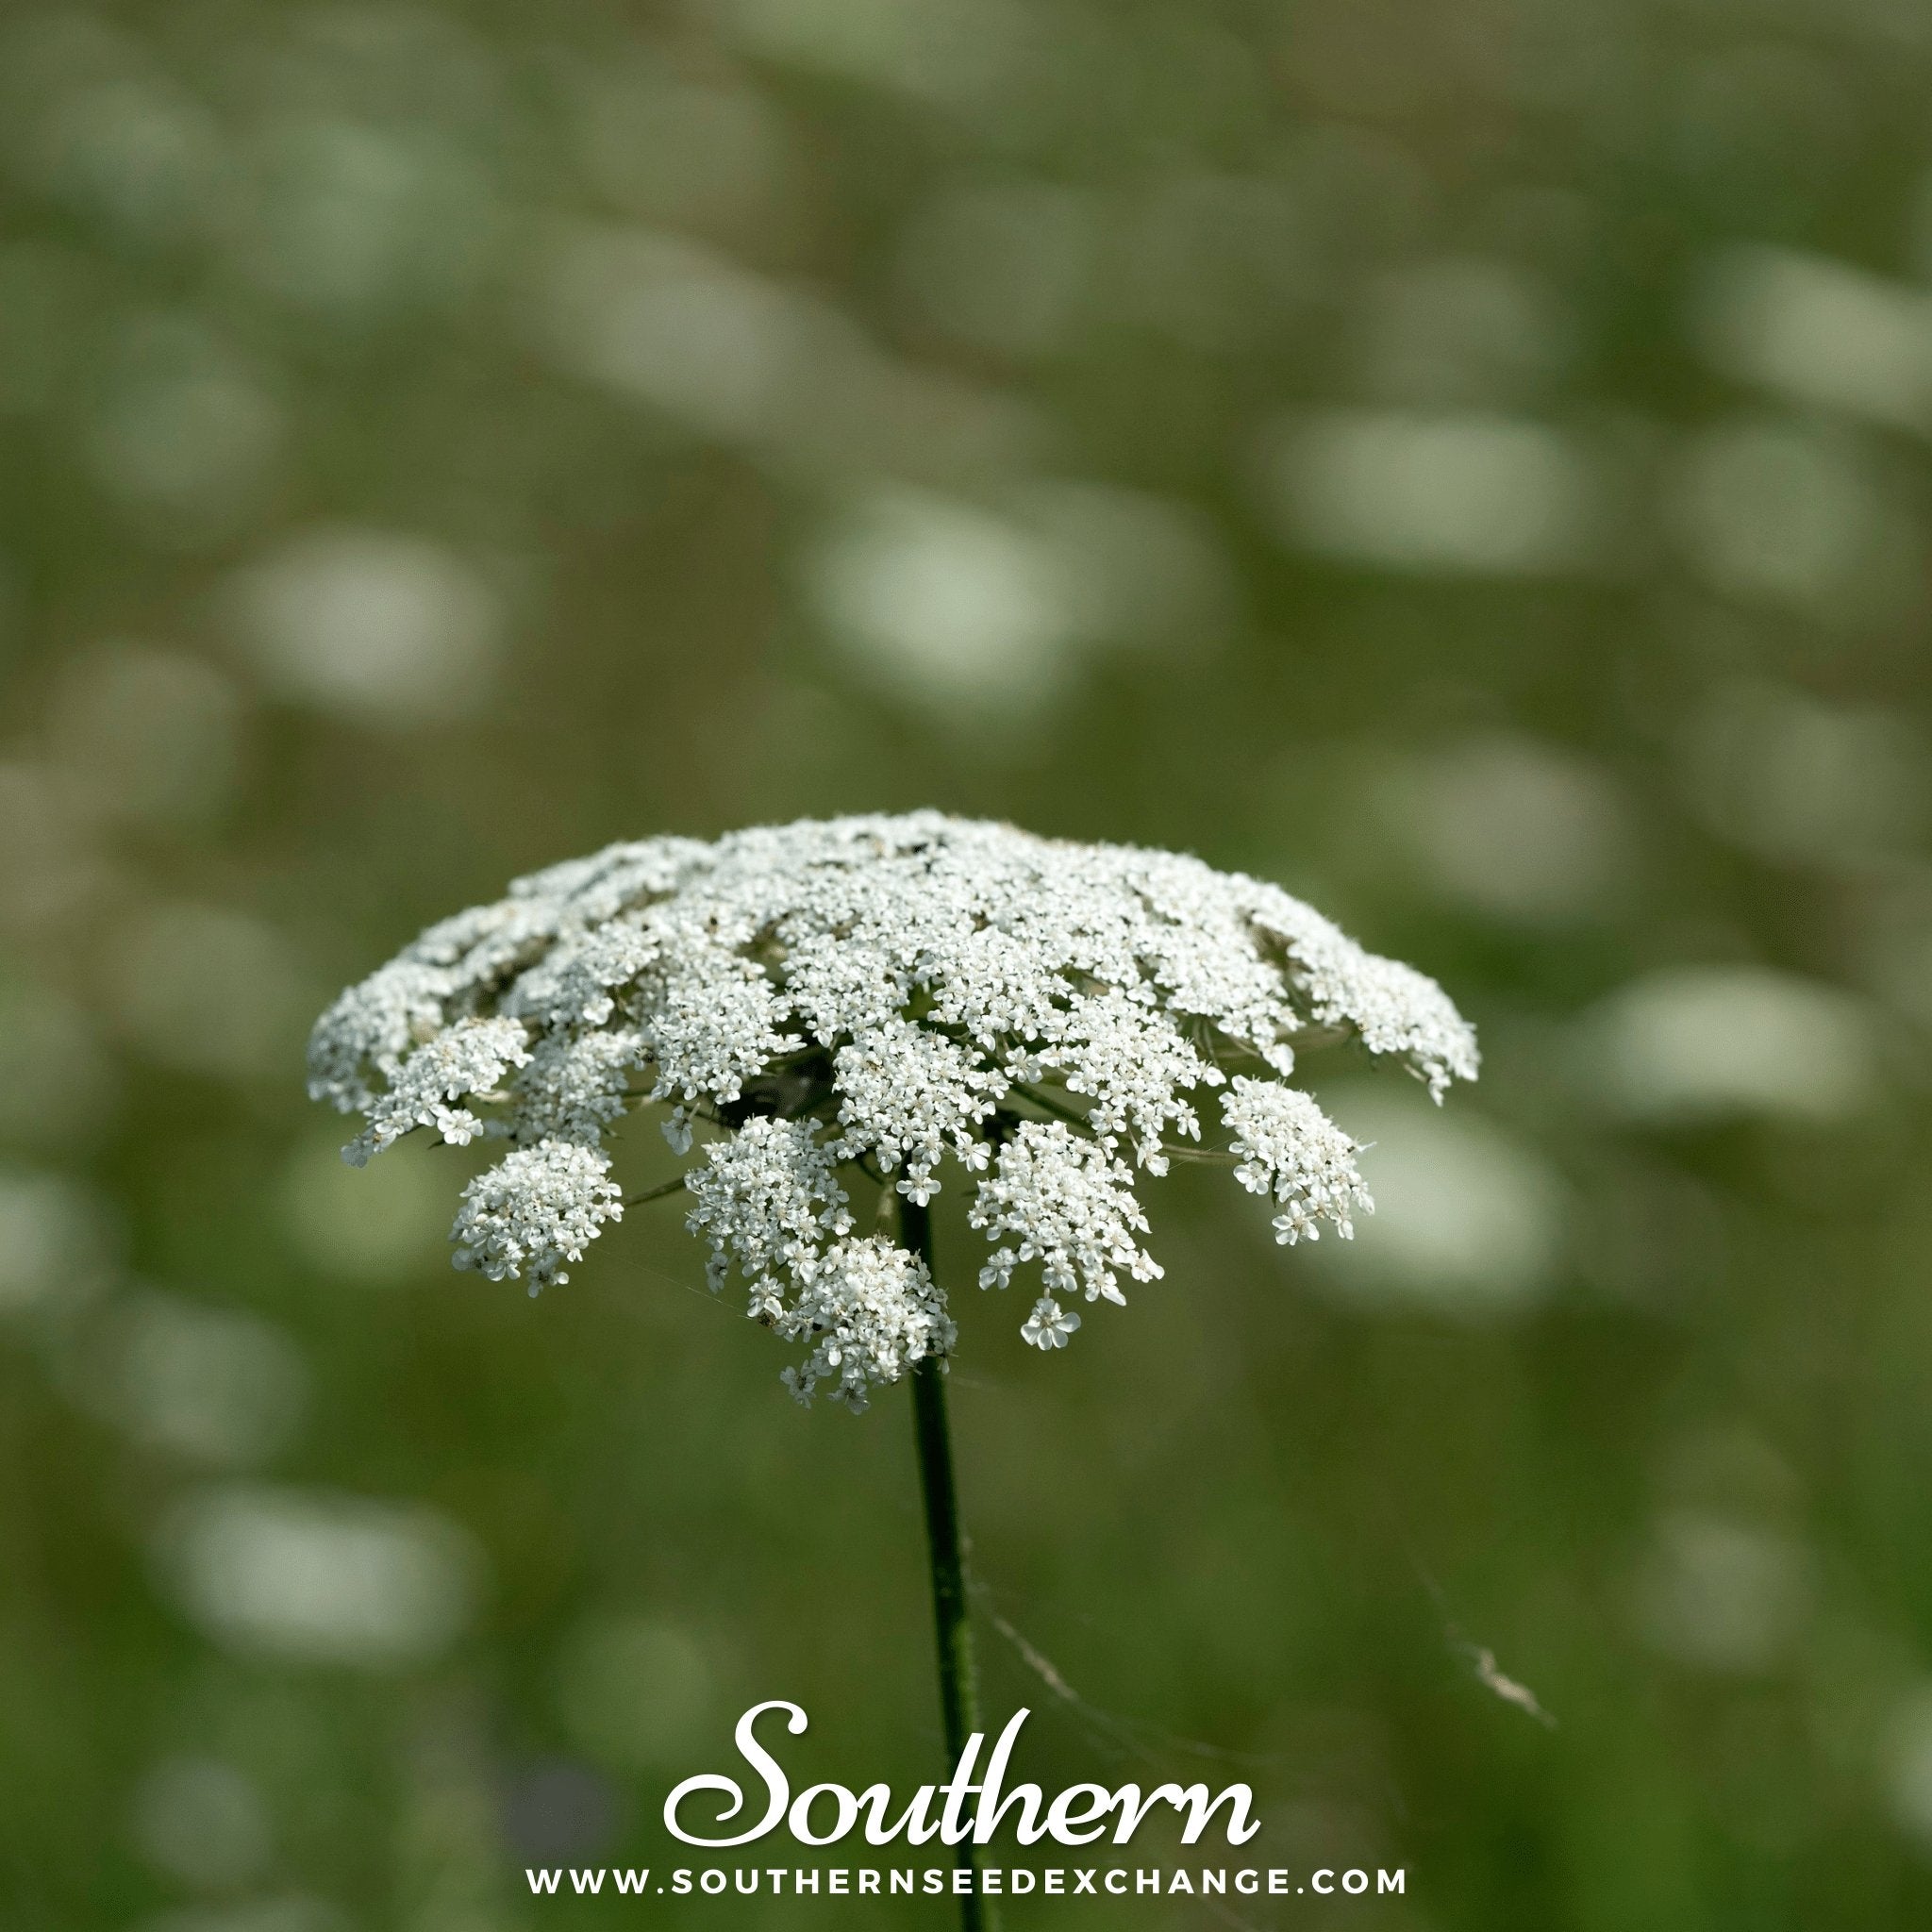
945 1551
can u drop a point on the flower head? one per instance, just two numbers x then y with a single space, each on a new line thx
884 1001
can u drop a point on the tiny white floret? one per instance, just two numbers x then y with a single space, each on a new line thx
1049 1326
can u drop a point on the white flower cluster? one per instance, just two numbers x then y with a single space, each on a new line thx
1071 1204
1290 1149
535 1209
767 1197
875 997
871 1310
469 1059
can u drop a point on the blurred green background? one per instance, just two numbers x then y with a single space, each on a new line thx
1466 460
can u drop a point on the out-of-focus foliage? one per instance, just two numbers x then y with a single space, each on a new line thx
1466 461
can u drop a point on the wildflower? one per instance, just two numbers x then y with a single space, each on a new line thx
1048 1326
1071 1204
535 1209
872 1311
1291 1148
881 1002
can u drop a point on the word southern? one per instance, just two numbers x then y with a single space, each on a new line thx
967 1805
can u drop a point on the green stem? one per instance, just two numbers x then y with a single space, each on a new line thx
945 1551
1073 1116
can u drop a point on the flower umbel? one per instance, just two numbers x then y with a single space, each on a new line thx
876 1002
1071 1204
1291 1149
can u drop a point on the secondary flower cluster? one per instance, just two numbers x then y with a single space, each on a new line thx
871 996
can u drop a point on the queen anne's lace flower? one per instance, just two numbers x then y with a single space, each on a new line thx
1291 1149
1124 1053
469 1057
1049 1326
872 1311
1071 1205
876 997
767 1198
905 1094
534 1211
